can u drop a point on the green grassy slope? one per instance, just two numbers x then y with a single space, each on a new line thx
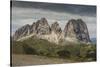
35 46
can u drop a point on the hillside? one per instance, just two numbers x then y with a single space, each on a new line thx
40 47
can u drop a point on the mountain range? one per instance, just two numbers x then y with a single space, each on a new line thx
74 31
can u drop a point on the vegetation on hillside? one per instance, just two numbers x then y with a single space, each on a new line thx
76 52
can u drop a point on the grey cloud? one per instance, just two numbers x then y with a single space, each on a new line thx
89 10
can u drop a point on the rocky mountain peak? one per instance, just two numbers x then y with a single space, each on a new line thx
80 20
56 28
42 27
77 29
23 31
43 20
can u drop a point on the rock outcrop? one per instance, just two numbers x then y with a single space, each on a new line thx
56 28
21 32
42 27
56 33
74 31
33 28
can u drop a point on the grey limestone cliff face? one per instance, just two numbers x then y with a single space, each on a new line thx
42 27
77 30
21 32
56 33
56 28
33 28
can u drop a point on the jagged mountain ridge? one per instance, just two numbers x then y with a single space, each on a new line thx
75 30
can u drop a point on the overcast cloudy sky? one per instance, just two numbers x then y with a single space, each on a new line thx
29 12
